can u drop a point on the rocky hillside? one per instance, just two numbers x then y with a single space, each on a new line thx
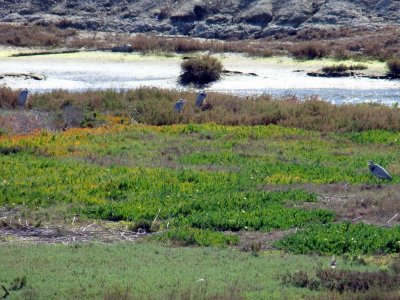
204 18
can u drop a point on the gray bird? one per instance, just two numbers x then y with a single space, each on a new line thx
379 171
179 105
22 97
333 262
201 98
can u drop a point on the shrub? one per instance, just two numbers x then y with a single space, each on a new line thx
310 51
7 97
200 70
10 150
298 279
343 281
342 68
394 67
33 35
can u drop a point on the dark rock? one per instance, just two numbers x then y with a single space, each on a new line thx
34 76
124 48
259 14
219 19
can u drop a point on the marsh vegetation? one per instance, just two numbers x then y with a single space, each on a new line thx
291 174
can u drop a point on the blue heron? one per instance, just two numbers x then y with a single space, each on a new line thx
179 105
379 171
22 97
201 98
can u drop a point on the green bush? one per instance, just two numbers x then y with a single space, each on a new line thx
343 238
200 70
394 67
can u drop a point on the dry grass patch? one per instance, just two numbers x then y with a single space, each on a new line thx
33 35
311 43
309 50
7 96
374 204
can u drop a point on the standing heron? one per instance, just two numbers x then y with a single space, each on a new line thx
22 97
378 171
201 98
333 262
179 105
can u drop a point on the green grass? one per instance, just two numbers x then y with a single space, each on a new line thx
188 198
150 271
343 238
210 178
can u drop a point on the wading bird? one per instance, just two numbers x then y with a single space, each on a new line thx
201 98
333 262
179 105
378 171
22 97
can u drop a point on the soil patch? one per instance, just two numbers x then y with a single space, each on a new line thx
19 230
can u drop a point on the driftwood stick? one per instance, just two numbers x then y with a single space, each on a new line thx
394 217
84 229
155 219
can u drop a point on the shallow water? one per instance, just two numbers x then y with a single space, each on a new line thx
276 76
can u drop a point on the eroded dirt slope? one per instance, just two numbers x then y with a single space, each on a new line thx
201 18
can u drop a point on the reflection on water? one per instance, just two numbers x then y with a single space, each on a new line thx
337 96
276 79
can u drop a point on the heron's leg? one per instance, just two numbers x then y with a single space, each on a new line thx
379 185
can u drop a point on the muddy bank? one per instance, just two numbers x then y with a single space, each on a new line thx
34 76
13 228
349 74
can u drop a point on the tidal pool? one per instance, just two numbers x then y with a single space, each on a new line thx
277 76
